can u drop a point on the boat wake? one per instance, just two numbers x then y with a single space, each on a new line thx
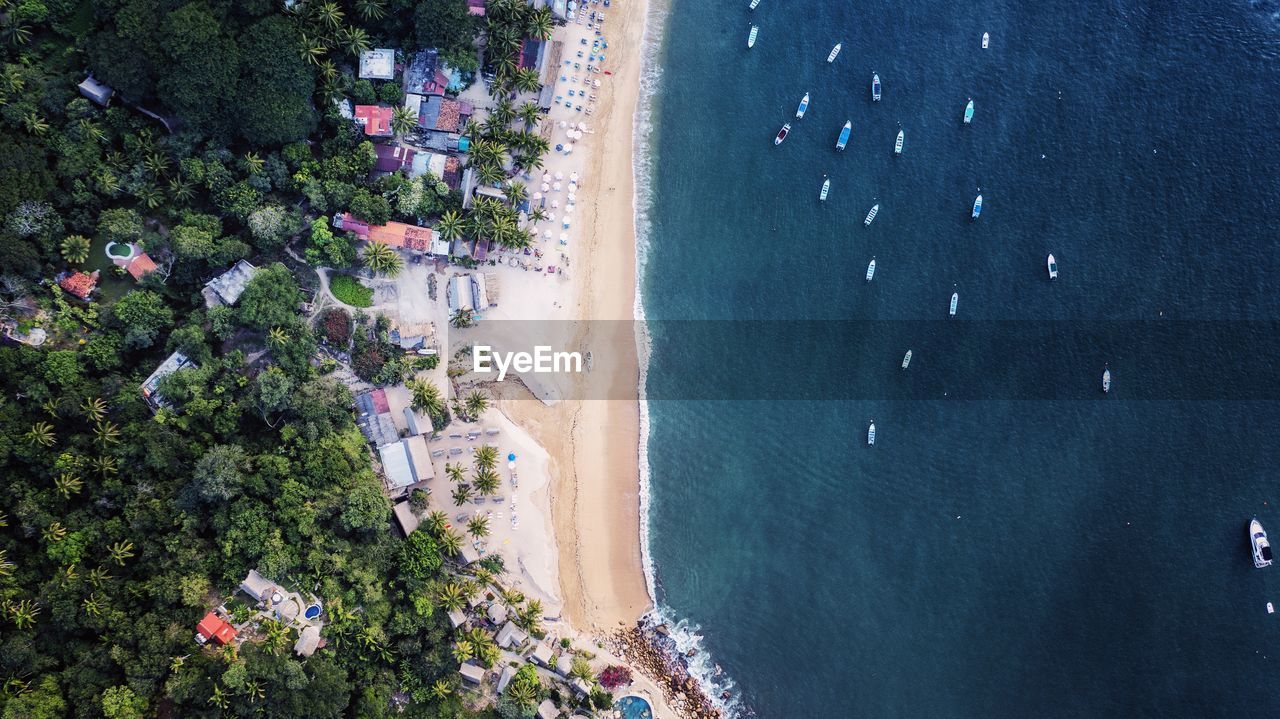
681 643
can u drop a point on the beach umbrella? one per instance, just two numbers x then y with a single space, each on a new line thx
569 208
568 148
563 124
556 187
559 175
564 236
573 177
559 148
511 457
597 83
546 177
566 223
546 234
546 187
537 195
582 125
555 203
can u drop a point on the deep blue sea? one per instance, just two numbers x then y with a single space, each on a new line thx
1016 543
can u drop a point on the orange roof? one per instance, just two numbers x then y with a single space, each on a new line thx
398 234
140 265
213 627
79 284
375 119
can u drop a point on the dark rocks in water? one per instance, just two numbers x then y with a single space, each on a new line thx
663 630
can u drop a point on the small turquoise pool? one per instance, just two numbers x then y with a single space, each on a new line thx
634 707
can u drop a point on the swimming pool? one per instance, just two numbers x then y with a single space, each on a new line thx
634 707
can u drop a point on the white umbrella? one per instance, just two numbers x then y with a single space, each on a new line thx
556 187
555 203
546 187
568 148
564 236
559 176
573 177
537 195
583 125
546 234
563 124
565 225
546 177
569 208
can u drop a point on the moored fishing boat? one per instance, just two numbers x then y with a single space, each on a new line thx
871 434
751 39
753 4
897 146
986 39
871 269
955 300
844 135
782 134
871 214
826 187
1106 378
804 105
977 207
968 112
1261 547
1053 267
906 360
834 51
875 87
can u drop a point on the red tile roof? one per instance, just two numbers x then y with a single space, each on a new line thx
450 116
214 628
392 234
476 7
380 404
375 119
140 265
79 284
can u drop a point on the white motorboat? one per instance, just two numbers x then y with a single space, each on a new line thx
955 300
834 51
1053 267
1261 547
871 434
804 105
871 269
871 215
897 146
906 360
826 187
751 39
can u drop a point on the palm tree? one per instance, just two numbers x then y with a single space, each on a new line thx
522 693
457 473
121 551
450 542
55 532
502 113
92 606
6 567
461 494
106 433
460 319
436 521
329 14
23 613
516 193
450 597
35 123
426 396
450 226
371 9
526 80
75 249
486 482
40 433
511 597
539 23
485 457
312 49
403 120
149 195
52 406
156 163
253 163
491 174
537 215
529 114
277 337
477 403
471 128
478 526
99 576
353 39
277 635
67 484
104 466
441 689
463 651
218 699
382 259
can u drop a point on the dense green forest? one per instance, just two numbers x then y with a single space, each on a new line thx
122 526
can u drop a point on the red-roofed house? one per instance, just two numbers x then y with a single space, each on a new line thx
392 234
375 119
476 7
450 118
140 265
380 404
392 158
213 628
79 284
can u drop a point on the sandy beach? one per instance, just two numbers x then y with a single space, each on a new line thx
594 443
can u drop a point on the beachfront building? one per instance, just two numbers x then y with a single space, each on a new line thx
472 673
547 710
379 64
214 628
309 641
151 386
504 679
375 120
405 517
457 618
511 637
226 288
397 235
373 417
541 655
417 422
564 664
406 465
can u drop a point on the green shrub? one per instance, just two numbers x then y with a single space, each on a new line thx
349 290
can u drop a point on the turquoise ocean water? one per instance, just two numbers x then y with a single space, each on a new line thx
1015 544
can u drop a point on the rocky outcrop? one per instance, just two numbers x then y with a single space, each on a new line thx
650 650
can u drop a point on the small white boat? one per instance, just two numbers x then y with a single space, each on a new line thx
751 39
871 434
968 112
753 4
834 51
897 146
826 187
875 87
1271 608
782 134
844 135
804 105
955 300
1261 547
871 269
1053 267
986 39
906 360
977 207
1106 378
871 215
